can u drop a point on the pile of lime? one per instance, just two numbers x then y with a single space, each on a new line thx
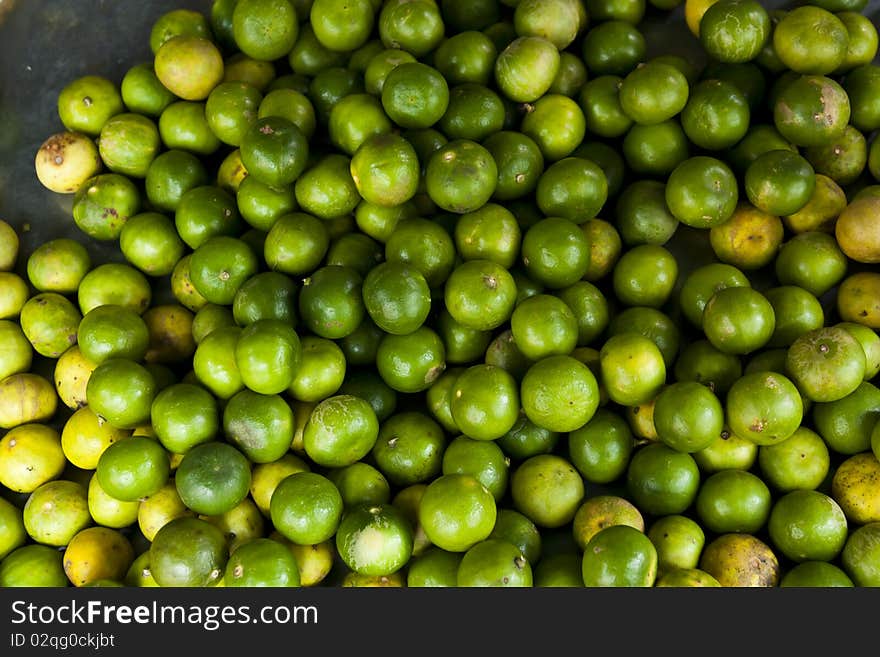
445 293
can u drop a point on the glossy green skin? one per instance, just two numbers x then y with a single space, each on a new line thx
438 398
230 109
188 552
811 110
367 384
653 324
112 331
184 415
183 126
292 105
114 282
411 362
178 22
206 211
142 92
296 243
128 143
661 480
600 103
461 176
274 150
261 426
121 391
801 461
642 216
261 205
556 123
262 562
815 574
861 85
480 294
519 161
133 469
433 568
357 544
360 483
656 149
760 138
733 501
354 118
327 189
559 570
268 355
103 204
559 393
764 407
526 68
645 275
613 48
380 65
485 402
601 449
573 188
801 518
361 345
475 112
494 563
424 245
688 416
342 26
468 56
482 459
701 362
213 478
679 540
736 31
342 429
846 424
811 260
331 303
151 243
87 103
50 321
297 516
409 448
267 295
331 88
701 283
702 192
811 41
33 565
590 308
214 362
779 182
265 29
544 325
861 555
826 363
626 544
457 528
385 169
514 527
555 252
653 93
219 267
843 159
526 439
321 370
738 320
416 27
625 383
716 116
396 297
415 95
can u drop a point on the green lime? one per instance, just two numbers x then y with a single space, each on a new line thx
213 478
